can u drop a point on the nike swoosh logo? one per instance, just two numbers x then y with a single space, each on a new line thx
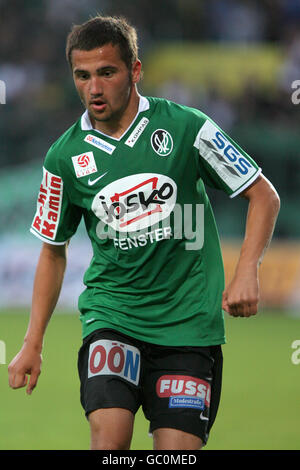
91 183
203 417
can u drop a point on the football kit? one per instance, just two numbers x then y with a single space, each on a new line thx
156 272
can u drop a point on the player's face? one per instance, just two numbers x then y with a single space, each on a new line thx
104 83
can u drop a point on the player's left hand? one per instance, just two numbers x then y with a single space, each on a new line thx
240 298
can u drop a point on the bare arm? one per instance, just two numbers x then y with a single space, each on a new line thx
47 285
241 297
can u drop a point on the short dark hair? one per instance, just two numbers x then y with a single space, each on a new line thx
102 30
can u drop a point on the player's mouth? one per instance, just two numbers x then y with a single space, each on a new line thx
98 105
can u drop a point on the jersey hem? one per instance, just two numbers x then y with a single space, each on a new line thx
245 185
211 342
46 240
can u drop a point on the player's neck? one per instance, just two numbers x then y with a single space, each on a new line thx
117 126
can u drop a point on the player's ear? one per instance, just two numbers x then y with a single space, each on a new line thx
136 71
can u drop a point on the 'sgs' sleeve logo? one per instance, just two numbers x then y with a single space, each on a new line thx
231 153
224 158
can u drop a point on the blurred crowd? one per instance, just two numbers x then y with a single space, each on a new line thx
41 102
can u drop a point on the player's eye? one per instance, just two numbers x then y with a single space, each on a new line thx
82 76
107 73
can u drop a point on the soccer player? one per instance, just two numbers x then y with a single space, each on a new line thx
135 168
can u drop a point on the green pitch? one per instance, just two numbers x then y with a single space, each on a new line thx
259 406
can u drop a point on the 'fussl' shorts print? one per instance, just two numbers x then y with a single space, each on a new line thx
177 387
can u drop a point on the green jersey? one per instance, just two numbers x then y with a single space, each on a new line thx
156 273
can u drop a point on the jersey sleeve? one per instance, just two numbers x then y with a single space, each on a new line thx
223 164
56 219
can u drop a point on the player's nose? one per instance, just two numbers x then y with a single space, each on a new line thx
96 88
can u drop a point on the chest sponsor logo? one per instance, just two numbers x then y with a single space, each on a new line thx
84 164
136 201
184 391
162 142
137 132
99 143
108 357
222 156
49 204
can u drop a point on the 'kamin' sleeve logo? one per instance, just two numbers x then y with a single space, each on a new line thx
162 142
49 204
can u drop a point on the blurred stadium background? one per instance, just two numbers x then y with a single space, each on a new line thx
234 60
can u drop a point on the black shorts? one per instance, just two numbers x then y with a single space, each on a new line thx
177 387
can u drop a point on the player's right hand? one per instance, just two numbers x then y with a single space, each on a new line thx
27 362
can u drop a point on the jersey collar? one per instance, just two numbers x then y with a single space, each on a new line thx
86 124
